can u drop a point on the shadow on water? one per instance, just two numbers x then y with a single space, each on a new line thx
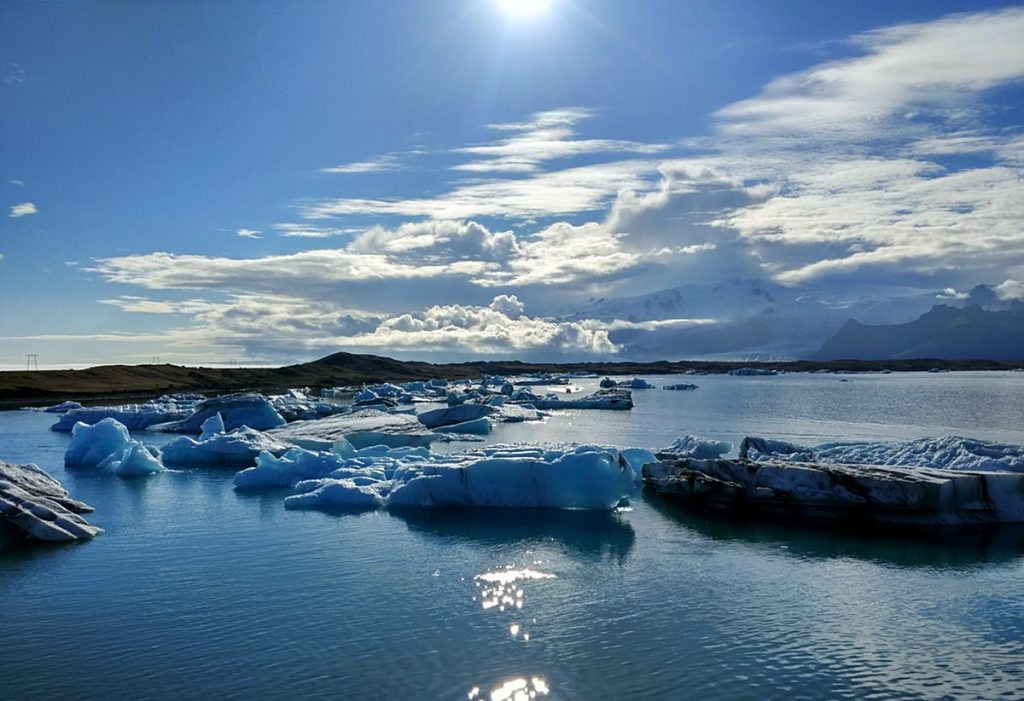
940 547
589 534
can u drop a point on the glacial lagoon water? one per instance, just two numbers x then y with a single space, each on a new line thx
195 591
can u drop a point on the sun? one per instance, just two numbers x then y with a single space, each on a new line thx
523 8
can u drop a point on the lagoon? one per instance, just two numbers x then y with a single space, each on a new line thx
196 591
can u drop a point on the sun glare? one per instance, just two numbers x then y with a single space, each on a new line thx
523 8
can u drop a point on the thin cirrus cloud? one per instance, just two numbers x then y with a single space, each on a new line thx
386 162
248 233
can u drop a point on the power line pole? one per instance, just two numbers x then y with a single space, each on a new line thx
30 360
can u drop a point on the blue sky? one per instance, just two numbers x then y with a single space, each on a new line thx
272 181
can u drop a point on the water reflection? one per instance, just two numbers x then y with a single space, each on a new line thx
517 689
590 535
941 547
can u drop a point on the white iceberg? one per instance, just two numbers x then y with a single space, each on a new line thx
108 447
136 417
234 449
38 505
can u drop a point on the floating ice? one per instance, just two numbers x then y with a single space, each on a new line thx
362 428
635 383
945 453
583 477
108 447
38 505
601 399
236 410
461 413
61 408
697 447
682 386
237 448
136 417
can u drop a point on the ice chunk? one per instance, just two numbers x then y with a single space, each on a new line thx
455 415
38 505
946 453
108 447
211 427
362 428
234 449
63 407
132 459
601 399
135 417
682 386
583 477
236 410
902 496
697 447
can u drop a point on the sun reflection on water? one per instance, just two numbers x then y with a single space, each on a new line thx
518 689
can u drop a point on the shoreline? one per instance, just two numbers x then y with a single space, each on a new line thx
124 383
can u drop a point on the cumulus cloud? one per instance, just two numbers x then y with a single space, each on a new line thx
22 210
1010 289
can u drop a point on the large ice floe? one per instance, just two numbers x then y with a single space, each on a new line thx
36 506
946 481
579 477
945 453
219 448
236 410
619 399
107 447
361 428
136 417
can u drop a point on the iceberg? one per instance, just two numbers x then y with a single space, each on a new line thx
461 413
684 386
108 447
62 408
234 449
697 447
236 410
635 383
945 453
362 428
844 494
37 505
620 399
136 417
582 477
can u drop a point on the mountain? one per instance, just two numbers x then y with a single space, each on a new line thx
943 332
742 318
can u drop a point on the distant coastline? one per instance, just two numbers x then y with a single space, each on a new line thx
127 382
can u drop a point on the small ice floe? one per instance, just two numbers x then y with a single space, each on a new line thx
37 506
682 386
616 399
634 383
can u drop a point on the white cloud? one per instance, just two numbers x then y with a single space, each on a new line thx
309 231
248 233
23 209
546 136
17 183
1010 289
387 162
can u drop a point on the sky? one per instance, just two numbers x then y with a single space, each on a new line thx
270 182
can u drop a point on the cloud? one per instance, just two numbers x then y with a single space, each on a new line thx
1010 289
248 233
569 191
906 74
23 209
546 136
387 162
17 183
309 231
